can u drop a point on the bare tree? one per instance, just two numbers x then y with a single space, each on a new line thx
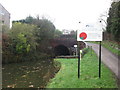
103 20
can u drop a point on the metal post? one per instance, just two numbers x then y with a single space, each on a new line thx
100 60
78 59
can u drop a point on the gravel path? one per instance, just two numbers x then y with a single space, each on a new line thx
108 58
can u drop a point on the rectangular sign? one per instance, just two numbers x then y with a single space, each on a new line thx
89 35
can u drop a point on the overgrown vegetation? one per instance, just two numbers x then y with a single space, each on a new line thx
18 43
28 39
67 76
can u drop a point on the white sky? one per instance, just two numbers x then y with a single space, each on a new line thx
65 14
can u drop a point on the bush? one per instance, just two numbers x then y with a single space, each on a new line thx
18 43
26 42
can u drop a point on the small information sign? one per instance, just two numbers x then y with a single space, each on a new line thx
89 35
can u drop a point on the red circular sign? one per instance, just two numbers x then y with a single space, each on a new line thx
83 35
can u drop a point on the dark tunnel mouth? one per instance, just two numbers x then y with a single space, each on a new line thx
61 50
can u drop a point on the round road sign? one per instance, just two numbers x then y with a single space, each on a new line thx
83 36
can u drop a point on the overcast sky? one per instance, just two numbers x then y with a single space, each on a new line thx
65 14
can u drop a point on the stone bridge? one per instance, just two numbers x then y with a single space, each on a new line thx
64 45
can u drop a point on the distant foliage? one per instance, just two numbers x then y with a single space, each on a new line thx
113 21
46 29
57 33
73 34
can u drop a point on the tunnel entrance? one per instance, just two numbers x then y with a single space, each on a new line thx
61 50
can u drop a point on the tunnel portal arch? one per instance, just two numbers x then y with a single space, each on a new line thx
60 50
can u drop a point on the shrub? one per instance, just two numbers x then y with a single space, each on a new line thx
18 43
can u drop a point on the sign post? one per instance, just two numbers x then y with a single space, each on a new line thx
100 60
78 59
89 35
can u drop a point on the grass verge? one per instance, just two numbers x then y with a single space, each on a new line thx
67 76
111 46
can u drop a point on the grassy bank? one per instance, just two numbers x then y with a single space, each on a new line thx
67 76
111 46
34 74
